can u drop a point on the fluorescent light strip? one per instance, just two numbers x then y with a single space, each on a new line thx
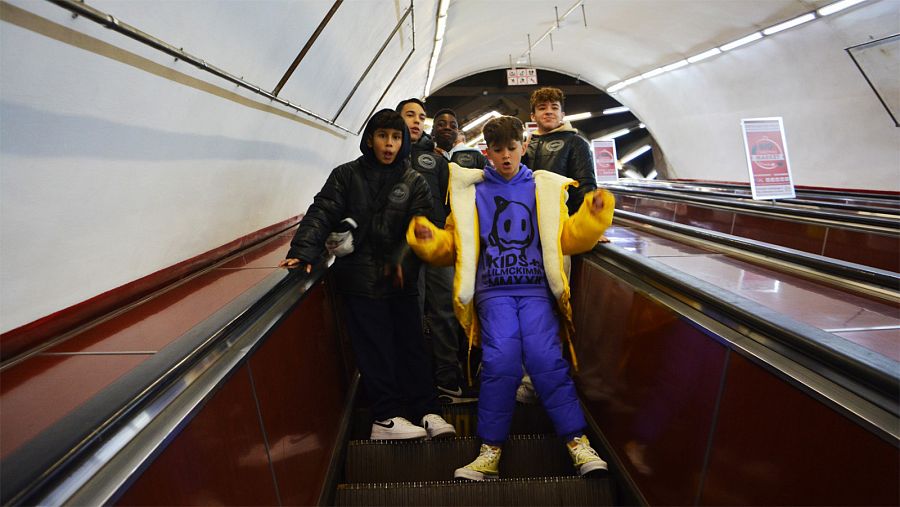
677 65
613 135
742 41
616 110
616 87
704 55
838 6
475 141
440 28
799 20
481 119
652 73
635 154
576 117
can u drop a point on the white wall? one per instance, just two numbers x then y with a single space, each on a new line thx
838 133
117 161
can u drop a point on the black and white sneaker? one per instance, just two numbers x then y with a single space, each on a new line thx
396 428
448 395
437 427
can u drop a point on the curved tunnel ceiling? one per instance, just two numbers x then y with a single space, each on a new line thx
602 42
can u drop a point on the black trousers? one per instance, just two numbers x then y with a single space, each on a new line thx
390 352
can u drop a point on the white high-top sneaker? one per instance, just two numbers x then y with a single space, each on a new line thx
396 428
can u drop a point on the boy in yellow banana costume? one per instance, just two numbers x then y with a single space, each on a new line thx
509 235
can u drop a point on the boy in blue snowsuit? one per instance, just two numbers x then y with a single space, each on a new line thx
508 235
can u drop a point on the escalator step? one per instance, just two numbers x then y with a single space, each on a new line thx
527 419
516 492
370 461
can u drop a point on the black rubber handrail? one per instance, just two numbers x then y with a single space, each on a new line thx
33 471
843 220
867 373
804 198
834 267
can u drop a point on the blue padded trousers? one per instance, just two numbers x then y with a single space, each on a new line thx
517 329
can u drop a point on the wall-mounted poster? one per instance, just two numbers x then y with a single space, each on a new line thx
767 158
605 160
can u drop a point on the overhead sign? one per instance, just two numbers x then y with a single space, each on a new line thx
767 158
518 77
605 160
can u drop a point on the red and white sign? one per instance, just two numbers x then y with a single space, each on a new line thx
482 146
517 77
767 158
605 160
530 126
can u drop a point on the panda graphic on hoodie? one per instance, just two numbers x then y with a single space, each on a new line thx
510 262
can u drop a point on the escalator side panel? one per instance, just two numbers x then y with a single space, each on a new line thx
218 459
874 250
268 433
780 446
650 380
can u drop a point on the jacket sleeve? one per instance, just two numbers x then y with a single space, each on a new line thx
582 230
326 211
439 250
422 202
581 169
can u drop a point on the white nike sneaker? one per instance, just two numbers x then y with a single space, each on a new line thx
397 428
437 427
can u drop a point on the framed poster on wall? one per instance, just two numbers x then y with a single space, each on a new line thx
767 158
605 160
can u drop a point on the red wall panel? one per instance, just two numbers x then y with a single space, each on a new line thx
776 445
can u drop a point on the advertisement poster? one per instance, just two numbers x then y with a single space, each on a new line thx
482 147
530 126
605 160
767 158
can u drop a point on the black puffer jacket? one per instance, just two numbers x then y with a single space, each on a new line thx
434 169
380 240
469 157
564 152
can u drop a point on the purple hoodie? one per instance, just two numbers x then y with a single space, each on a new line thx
510 261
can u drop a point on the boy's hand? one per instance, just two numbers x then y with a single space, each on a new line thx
295 263
597 202
422 232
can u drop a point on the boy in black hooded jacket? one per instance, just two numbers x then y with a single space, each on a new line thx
376 275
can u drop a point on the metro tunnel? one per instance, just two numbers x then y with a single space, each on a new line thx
158 158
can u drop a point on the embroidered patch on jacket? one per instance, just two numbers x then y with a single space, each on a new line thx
399 194
554 145
426 161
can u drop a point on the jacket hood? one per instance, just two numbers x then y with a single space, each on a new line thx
524 174
393 120
425 143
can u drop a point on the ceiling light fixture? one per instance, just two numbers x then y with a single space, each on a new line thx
741 42
613 135
616 110
481 119
635 154
440 28
576 116
838 6
704 55
799 20
475 141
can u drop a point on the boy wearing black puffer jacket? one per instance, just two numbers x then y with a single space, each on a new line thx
376 275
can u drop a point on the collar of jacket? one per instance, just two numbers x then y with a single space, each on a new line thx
565 127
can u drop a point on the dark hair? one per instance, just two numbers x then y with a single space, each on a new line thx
503 130
385 119
547 94
407 101
446 111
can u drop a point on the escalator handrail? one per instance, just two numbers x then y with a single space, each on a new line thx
56 465
847 270
865 372
843 220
